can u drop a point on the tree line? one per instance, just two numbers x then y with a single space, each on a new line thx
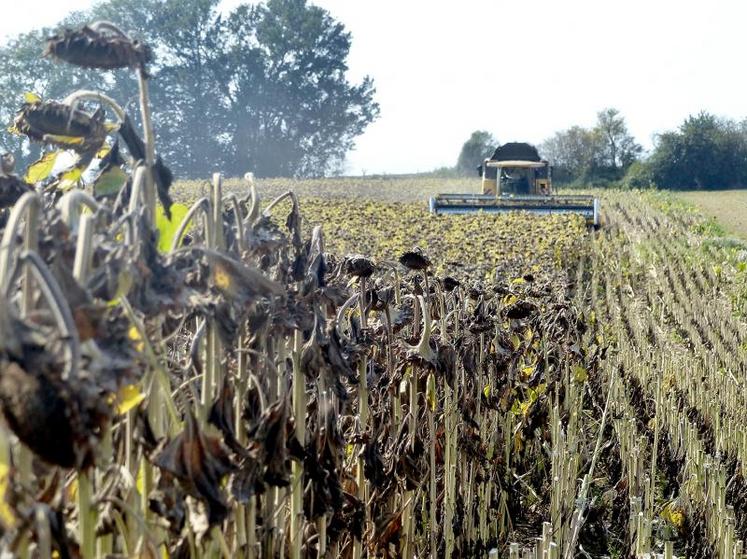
261 88
704 152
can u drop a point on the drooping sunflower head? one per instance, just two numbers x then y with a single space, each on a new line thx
98 47
415 259
359 266
61 125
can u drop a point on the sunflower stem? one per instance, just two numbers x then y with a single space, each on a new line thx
27 205
251 528
59 307
87 95
362 413
86 517
150 147
433 528
240 235
71 204
299 412
86 512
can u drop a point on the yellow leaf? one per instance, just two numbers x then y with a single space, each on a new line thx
221 278
509 300
677 518
7 516
516 407
674 515
31 98
525 407
579 374
42 168
134 334
72 490
66 140
515 341
430 391
128 397
140 481
103 151
527 372
70 179
486 391
168 228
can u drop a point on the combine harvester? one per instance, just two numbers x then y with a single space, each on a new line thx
516 179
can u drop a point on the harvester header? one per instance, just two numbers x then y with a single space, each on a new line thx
515 178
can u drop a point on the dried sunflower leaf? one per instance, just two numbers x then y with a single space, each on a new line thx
199 462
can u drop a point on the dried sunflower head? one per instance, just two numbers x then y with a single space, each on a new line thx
59 124
415 259
11 189
450 283
98 48
359 266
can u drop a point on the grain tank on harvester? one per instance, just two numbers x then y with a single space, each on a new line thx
515 178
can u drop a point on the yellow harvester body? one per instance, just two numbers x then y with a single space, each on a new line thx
516 179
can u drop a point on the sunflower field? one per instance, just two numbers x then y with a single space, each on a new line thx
280 368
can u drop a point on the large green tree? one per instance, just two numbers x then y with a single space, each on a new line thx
593 155
293 111
262 89
575 153
478 146
619 148
704 152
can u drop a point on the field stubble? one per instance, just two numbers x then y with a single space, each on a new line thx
515 382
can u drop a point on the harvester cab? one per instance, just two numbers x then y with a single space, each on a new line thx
515 178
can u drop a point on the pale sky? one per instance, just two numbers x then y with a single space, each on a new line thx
519 69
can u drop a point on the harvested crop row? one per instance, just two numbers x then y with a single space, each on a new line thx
697 513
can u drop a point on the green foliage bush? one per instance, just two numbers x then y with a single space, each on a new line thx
639 176
705 152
